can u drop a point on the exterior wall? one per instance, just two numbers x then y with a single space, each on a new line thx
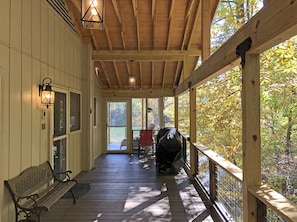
35 43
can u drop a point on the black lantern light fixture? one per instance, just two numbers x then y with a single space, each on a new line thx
46 92
92 14
132 78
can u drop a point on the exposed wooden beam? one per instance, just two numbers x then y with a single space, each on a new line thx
171 9
74 14
117 10
144 93
104 73
94 40
195 22
117 74
189 9
205 30
108 37
135 9
153 8
177 74
150 55
275 23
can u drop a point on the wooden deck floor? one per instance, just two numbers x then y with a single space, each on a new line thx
127 188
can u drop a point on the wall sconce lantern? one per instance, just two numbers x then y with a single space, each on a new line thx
92 13
46 92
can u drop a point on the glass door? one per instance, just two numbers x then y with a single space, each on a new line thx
117 126
60 133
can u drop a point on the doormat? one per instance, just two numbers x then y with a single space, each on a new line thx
79 190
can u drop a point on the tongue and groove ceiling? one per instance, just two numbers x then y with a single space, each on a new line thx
159 41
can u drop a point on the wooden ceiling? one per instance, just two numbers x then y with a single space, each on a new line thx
153 39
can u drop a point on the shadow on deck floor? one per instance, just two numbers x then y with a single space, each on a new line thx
128 188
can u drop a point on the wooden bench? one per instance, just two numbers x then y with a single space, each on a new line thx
36 189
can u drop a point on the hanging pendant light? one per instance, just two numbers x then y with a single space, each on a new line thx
132 78
92 14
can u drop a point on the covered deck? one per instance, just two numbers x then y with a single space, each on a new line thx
126 187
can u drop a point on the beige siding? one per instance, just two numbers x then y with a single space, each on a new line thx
35 43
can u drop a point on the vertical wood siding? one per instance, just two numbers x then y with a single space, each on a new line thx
34 43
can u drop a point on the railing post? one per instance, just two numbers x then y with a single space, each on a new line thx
251 141
194 160
213 181
193 138
261 211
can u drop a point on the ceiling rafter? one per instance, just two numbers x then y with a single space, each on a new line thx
117 74
135 11
104 73
177 74
134 4
117 10
196 18
153 8
97 71
123 40
108 37
187 27
73 11
168 38
189 9
94 40
171 9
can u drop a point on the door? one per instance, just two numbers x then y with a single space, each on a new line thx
117 126
60 132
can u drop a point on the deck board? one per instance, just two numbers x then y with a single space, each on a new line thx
128 188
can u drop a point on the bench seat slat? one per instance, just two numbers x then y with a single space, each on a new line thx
55 193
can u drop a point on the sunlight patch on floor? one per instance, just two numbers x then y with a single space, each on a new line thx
156 211
138 196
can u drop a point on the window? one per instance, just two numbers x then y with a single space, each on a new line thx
60 114
74 111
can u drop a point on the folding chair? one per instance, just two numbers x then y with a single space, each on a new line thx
145 139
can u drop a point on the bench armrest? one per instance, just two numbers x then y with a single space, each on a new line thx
32 197
66 173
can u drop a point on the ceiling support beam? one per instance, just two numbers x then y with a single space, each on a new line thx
144 93
152 55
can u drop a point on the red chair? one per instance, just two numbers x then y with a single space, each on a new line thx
145 139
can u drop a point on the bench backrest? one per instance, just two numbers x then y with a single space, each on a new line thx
30 180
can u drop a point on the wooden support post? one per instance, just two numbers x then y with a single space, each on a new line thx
251 134
161 112
213 181
205 31
193 139
176 112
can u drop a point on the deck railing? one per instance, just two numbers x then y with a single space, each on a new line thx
221 181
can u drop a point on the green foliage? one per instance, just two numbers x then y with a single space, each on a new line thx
219 115
219 109
184 113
